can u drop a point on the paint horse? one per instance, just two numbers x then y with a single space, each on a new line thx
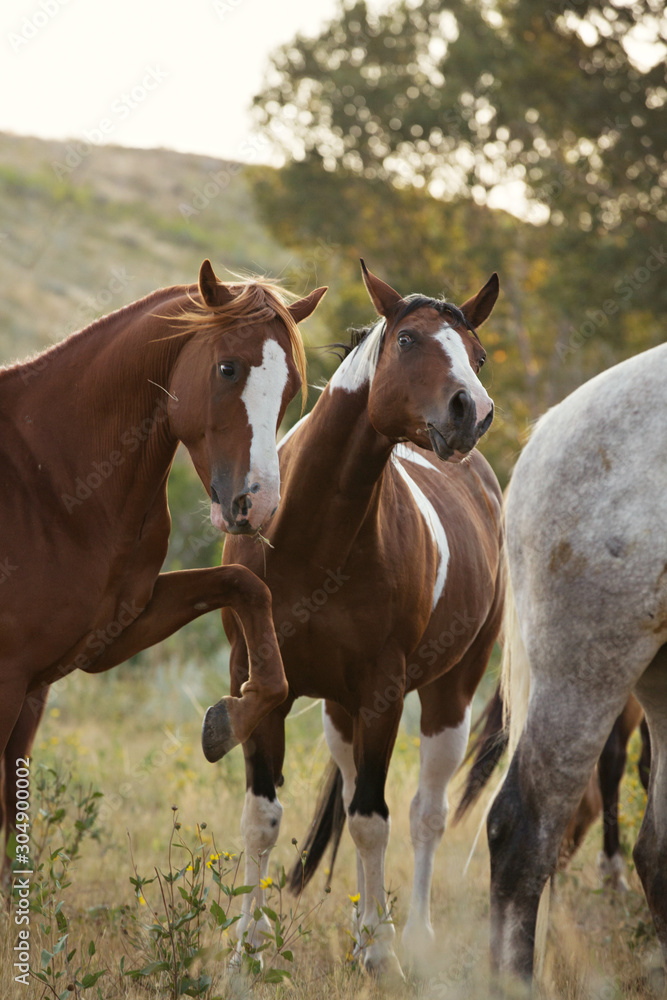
600 796
385 572
89 431
587 625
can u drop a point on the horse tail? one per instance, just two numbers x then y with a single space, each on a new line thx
514 670
326 827
489 746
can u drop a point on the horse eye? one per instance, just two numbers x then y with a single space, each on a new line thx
227 369
481 362
405 339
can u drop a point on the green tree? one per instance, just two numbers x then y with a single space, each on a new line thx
400 130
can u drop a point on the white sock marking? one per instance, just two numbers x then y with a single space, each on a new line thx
260 826
439 759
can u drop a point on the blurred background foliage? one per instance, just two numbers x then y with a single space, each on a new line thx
439 140
445 140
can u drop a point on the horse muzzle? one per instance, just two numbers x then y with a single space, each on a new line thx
460 431
247 511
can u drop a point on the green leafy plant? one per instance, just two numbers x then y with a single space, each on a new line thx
183 914
69 812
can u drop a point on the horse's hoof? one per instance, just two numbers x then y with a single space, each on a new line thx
386 969
419 947
612 872
217 735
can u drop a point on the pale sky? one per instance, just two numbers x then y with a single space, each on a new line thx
144 72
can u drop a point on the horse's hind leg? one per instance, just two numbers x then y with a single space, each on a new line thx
338 732
611 767
445 728
557 751
440 756
650 851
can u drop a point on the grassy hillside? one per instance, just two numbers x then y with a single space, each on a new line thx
78 243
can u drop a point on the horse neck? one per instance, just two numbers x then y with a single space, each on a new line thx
91 400
334 479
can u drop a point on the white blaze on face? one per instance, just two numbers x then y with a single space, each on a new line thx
452 345
262 398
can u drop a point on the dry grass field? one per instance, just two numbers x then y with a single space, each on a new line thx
133 734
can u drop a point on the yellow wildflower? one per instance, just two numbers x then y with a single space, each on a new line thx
266 882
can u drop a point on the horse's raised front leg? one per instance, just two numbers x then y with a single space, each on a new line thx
179 598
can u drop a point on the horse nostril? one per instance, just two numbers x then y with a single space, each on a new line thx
241 505
255 488
214 495
483 427
459 406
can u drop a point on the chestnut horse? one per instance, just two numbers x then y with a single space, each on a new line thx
586 625
384 568
89 431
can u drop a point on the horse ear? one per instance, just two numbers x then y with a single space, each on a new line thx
212 292
301 309
383 296
478 308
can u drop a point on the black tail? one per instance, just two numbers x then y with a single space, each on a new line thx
486 751
327 826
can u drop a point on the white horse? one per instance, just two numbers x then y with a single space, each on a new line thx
586 524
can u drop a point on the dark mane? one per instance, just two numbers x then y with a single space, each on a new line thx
412 303
357 336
